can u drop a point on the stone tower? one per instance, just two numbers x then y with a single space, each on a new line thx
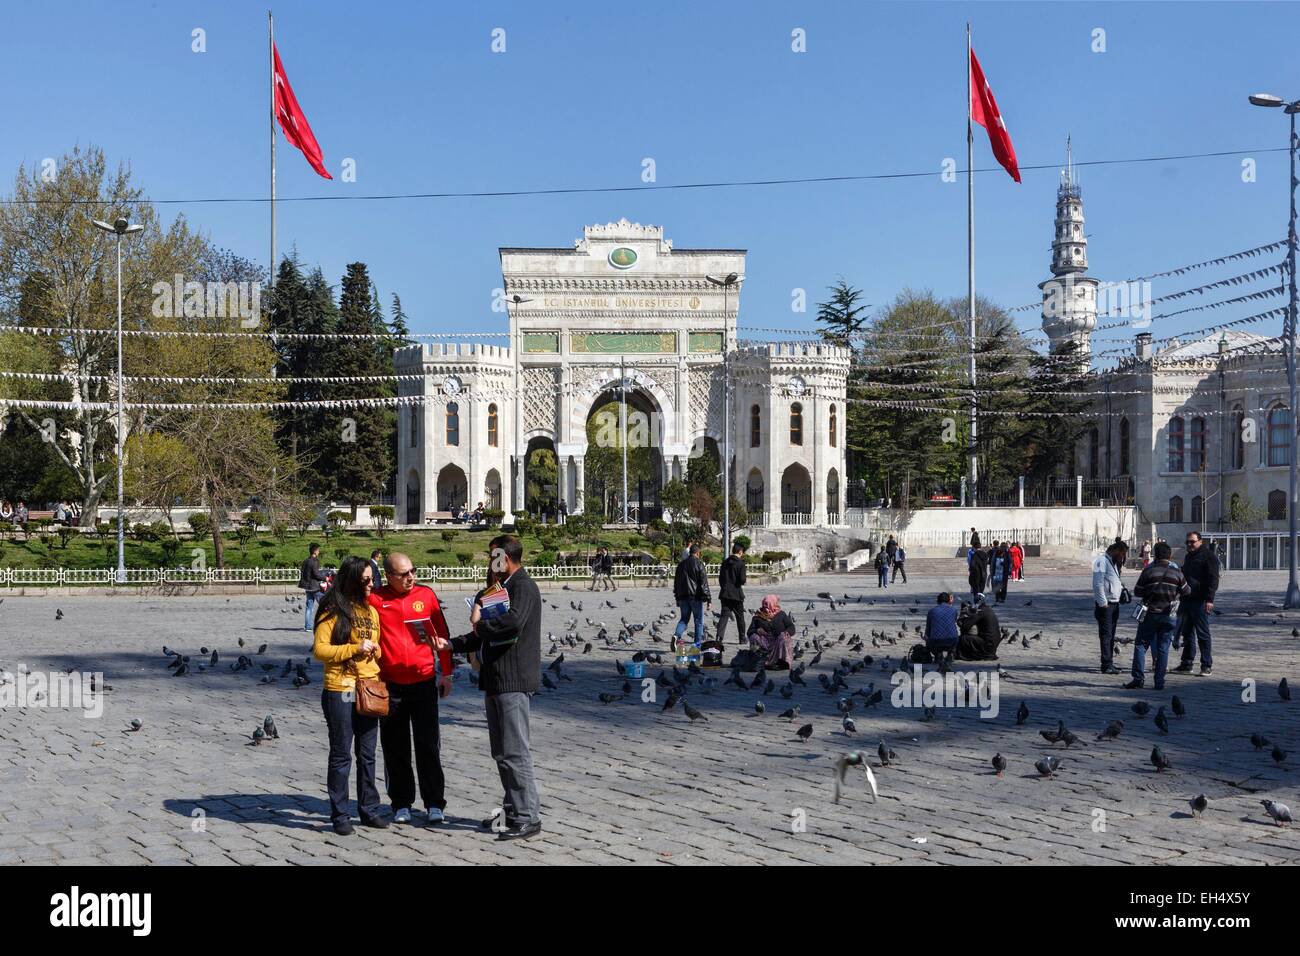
1070 296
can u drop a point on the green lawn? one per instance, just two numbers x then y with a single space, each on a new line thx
423 547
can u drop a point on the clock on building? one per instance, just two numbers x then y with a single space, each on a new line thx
451 385
797 385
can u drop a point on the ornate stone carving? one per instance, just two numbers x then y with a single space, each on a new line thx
706 398
540 399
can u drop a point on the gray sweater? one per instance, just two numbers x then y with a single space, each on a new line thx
509 646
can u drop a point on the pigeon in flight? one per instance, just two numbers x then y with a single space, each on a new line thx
854 759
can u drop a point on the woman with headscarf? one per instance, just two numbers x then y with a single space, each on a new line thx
772 632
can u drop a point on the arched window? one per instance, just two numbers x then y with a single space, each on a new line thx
492 425
796 424
755 426
453 423
1176 510
415 425
1279 435
833 428
1094 453
1175 439
1198 509
1277 505
1123 446
1197 445
1239 443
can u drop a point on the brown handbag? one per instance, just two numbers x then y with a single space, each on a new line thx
371 695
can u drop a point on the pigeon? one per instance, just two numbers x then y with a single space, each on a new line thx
670 703
849 726
787 691
886 755
258 736
1198 804
241 642
136 724
1022 714
1142 708
548 683
1048 765
692 713
1280 812
792 713
268 725
999 764
1051 736
759 707
1178 708
58 614
1159 760
842 765
1113 730
1283 691
1258 741
610 698
1162 721
262 649
804 732
1278 755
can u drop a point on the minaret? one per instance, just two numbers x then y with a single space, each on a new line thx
1069 297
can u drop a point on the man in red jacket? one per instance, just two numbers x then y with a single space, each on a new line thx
409 617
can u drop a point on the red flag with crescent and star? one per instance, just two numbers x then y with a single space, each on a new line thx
293 121
984 110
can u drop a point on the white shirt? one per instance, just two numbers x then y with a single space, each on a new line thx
1106 584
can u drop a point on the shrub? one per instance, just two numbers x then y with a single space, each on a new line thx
280 531
771 556
543 559
493 517
711 557
64 534
302 518
162 529
201 524
657 535
383 515
342 552
267 558
144 532
170 547
465 558
742 540
449 535
335 522
634 540
256 519
524 525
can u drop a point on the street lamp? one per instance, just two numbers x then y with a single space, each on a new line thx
726 283
1289 333
120 227
517 484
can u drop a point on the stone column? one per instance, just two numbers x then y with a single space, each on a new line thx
579 503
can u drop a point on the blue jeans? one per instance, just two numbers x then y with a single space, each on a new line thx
1156 631
347 729
882 577
689 609
309 610
1193 621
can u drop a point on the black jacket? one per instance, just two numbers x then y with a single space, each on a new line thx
690 582
988 633
979 571
1201 569
512 665
310 577
731 579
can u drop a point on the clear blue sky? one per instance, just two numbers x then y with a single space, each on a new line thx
711 91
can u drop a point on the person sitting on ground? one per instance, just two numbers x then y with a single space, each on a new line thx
771 631
941 634
980 632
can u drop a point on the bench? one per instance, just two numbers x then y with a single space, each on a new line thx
441 517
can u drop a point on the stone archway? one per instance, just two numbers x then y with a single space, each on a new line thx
603 431
542 490
492 490
453 488
796 491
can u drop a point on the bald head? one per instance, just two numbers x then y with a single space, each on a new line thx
399 573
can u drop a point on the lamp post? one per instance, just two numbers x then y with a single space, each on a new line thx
1289 334
517 489
120 227
726 284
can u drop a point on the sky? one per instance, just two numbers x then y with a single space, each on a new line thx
584 92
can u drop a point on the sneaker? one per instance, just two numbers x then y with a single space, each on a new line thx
520 831
1133 685
402 816
1205 672
343 827
1110 670
491 824
1184 668
434 815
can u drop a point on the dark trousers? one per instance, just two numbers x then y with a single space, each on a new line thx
898 569
1107 617
1000 589
507 720
1194 622
1154 631
412 707
347 730
732 609
882 576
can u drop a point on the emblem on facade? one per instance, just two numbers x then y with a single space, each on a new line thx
622 257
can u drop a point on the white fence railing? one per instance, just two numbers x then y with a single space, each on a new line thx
1251 551
468 574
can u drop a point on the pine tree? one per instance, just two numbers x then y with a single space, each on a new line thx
353 442
399 326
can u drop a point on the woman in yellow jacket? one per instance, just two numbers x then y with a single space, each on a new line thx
347 641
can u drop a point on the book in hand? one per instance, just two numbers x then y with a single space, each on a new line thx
495 602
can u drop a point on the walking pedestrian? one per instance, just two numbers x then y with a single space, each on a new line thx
410 616
376 560
979 572
974 539
1201 568
1107 593
310 577
899 557
731 592
691 591
1144 552
882 569
509 645
999 571
1017 561
1159 586
347 642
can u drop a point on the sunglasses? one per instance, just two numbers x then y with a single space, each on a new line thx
408 573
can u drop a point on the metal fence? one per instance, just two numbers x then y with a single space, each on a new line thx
1251 551
469 574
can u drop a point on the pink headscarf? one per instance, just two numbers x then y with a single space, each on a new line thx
771 605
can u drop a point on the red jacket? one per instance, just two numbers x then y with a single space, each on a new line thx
404 658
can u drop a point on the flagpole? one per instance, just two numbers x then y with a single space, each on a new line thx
970 268
270 28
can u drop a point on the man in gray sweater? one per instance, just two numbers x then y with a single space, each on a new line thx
510 649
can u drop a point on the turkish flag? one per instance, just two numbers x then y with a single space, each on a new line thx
984 110
293 121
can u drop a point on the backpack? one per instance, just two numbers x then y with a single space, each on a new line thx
920 654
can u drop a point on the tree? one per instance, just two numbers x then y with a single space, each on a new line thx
353 443
160 472
58 271
843 316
